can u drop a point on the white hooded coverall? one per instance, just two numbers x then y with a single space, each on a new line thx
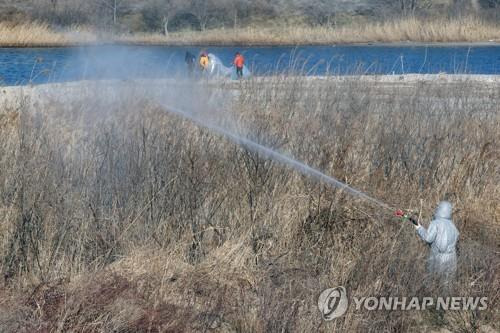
442 236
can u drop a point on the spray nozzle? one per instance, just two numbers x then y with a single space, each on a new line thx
406 216
399 213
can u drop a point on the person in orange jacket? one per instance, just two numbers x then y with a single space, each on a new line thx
239 62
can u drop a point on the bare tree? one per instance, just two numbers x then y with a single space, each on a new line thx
112 5
235 9
158 13
408 6
321 12
201 9
169 9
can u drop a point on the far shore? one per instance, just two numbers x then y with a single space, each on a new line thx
409 31
242 45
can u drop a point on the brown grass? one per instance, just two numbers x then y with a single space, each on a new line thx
403 30
125 218
467 29
40 34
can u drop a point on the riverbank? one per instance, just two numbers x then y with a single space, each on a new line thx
44 95
465 30
118 216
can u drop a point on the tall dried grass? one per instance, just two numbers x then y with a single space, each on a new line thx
41 34
466 29
126 218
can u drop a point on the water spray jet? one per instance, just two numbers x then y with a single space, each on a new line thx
274 155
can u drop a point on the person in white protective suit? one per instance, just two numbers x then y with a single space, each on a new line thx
442 236
216 68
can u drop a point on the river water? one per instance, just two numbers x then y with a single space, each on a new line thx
42 65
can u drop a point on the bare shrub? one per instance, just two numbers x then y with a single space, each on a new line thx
127 218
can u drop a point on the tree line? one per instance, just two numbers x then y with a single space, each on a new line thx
174 15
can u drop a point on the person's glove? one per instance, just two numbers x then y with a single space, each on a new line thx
414 222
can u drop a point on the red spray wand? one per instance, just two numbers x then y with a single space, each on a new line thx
405 216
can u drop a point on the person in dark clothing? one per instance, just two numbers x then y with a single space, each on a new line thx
190 62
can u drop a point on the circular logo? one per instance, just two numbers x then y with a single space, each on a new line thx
333 303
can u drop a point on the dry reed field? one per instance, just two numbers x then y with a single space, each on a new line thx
42 35
121 217
466 29
402 30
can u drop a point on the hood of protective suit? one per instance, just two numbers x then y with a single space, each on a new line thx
444 210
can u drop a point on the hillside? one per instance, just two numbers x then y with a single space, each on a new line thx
155 15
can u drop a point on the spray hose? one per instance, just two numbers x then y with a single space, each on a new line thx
280 157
